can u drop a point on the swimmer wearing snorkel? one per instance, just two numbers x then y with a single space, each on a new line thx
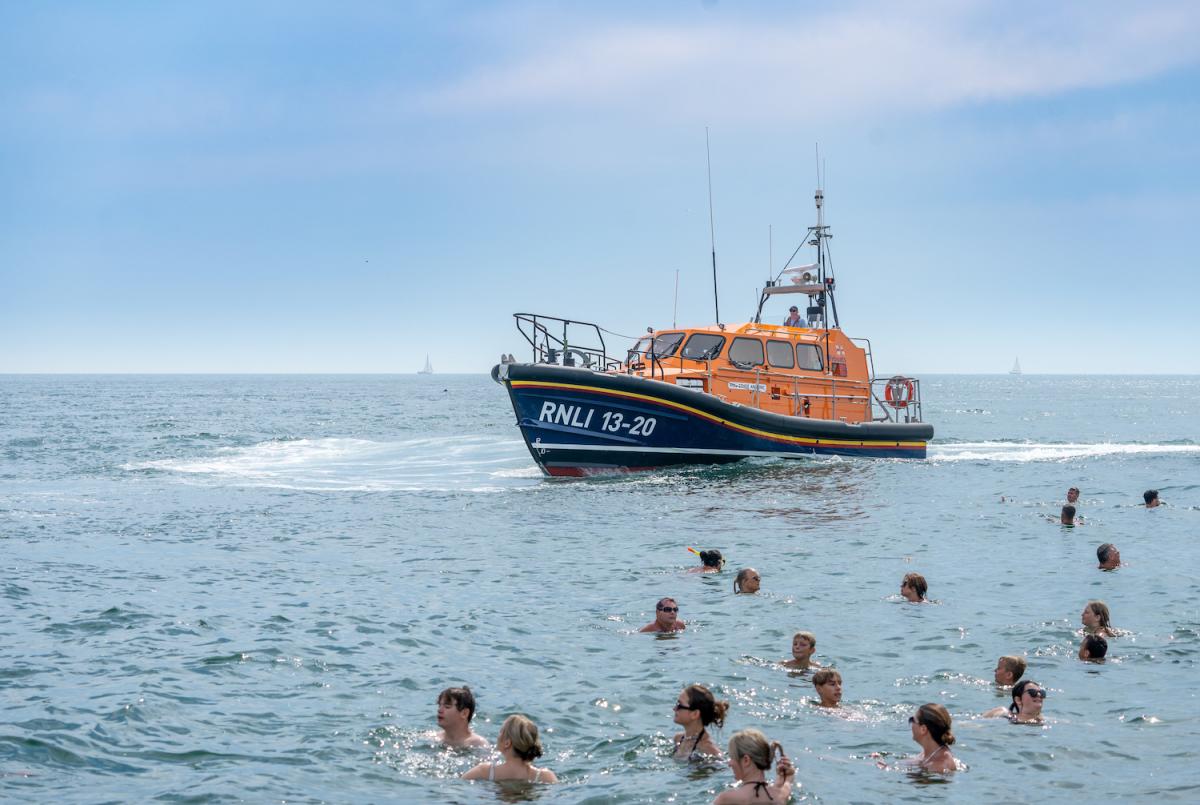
711 561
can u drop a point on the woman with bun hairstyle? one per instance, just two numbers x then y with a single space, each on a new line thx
931 730
750 756
710 562
519 746
695 709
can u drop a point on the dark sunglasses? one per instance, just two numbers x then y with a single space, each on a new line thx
912 719
1035 693
668 609
679 706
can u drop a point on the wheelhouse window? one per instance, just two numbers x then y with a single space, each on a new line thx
746 351
779 353
664 345
703 347
808 356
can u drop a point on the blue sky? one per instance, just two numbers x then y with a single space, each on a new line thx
346 187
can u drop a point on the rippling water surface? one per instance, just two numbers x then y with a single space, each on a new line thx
221 588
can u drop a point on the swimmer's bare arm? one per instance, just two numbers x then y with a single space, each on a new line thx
997 712
480 772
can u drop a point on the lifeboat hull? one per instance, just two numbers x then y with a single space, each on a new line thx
578 422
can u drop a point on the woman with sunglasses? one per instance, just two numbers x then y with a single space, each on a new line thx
1026 708
931 730
695 709
747 581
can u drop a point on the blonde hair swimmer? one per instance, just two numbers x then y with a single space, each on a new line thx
803 646
519 746
747 581
750 756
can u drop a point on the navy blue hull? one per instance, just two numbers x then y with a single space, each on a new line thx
578 422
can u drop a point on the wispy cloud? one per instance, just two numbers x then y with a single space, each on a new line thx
862 57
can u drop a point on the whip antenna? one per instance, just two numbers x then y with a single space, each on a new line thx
712 229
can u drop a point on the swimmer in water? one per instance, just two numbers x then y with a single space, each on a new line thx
803 646
931 730
828 684
913 587
1067 516
1009 669
519 746
710 562
1073 496
455 709
1096 620
1151 498
747 581
695 709
1108 556
1093 648
666 617
750 756
1026 708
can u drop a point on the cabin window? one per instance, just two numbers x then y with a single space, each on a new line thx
746 351
703 347
808 356
664 345
779 353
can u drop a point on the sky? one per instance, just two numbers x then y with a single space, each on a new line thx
349 187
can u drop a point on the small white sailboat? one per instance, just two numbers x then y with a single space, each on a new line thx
428 370
1016 370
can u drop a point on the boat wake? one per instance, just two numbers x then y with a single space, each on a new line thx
1031 451
461 463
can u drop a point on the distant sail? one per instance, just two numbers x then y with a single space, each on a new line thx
1016 370
428 370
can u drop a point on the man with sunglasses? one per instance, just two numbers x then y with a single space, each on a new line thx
666 618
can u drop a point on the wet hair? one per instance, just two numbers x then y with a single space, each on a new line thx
1018 691
662 601
825 676
1015 666
742 575
462 699
1074 489
1105 551
701 699
753 744
1101 611
809 636
1096 646
712 558
1068 512
523 734
917 582
1149 495
936 719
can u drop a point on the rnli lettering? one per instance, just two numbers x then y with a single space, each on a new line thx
748 386
577 416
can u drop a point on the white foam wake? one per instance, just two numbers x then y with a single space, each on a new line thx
434 464
1031 451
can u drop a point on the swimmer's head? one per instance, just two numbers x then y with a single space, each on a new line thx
1094 647
828 684
1009 669
1072 494
754 745
666 611
1096 615
712 558
936 719
747 581
1067 517
522 734
803 644
913 587
1151 498
700 699
1108 555
459 698
1027 698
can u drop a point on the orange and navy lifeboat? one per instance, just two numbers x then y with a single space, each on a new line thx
711 394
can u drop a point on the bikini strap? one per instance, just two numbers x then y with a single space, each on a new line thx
760 784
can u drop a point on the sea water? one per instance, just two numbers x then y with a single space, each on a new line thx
253 588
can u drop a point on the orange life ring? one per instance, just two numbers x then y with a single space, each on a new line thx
899 392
